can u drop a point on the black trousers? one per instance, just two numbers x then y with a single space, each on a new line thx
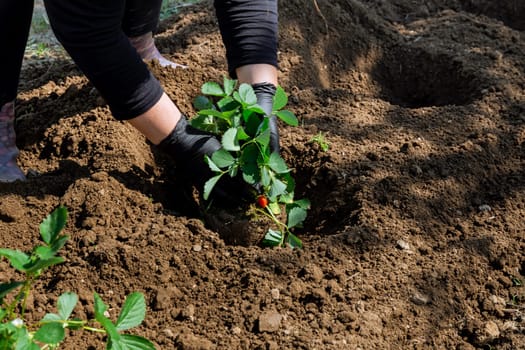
15 20
95 33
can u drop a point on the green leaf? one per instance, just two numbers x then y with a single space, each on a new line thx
266 178
228 106
277 188
222 158
296 216
229 140
272 238
263 138
293 241
212 88
275 208
211 112
211 164
41 264
202 102
59 243
303 203
53 224
50 333
66 303
208 186
51 317
5 288
206 123
133 312
44 252
278 164
100 309
287 117
18 259
279 99
229 85
246 95
135 342
23 341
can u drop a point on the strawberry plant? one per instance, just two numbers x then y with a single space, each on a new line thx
231 112
49 332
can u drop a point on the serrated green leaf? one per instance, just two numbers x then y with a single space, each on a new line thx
280 99
229 85
50 333
211 164
272 238
278 164
212 88
277 188
66 303
229 140
293 241
132 313
286 197
246 95
6 288
222 158
209 185
287 117
296 216
202 102
18 259
53 224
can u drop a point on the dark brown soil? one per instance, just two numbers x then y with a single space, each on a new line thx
416 236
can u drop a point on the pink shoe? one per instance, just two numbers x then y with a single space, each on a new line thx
9 170
145 46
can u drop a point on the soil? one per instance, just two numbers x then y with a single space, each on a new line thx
416 236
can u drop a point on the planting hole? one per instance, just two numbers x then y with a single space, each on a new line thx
414 78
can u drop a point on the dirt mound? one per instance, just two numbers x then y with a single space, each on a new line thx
415 237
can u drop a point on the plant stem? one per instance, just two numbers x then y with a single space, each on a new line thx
25 290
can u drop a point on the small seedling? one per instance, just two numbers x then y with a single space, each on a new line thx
232 113
321 141
49 332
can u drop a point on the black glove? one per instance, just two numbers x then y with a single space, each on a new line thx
265 93
188 146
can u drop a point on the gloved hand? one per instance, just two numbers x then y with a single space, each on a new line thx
188 146
265 93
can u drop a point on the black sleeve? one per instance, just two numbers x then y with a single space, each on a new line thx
249 30
91 33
